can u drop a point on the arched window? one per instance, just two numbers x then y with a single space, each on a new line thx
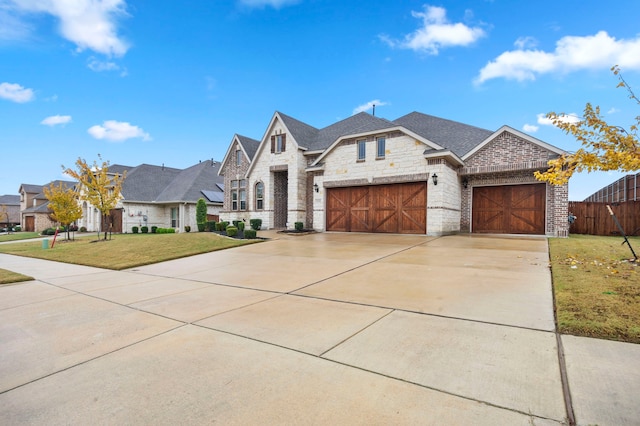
259 196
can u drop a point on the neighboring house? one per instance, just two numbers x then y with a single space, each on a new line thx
9 210
627 188
160 196
35 215
417 174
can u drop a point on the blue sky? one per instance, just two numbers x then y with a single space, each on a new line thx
172 81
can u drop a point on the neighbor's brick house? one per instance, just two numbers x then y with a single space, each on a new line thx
416 174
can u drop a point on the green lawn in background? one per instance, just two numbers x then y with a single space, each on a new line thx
125 250
14 236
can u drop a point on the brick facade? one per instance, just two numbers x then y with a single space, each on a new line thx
511 160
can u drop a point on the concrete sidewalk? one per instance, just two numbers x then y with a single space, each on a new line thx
323 328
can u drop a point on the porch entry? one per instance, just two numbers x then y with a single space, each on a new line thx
280 197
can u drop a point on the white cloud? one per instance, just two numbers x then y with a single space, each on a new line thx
117 131
436 33
98 66
613 110
276 4
530 128
600 51
89 24
56 119
567 118
369 105
16 93
525 43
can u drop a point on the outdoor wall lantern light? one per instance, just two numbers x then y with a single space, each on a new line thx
435 178
316 188
465 182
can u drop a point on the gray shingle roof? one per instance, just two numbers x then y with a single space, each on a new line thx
145 182
458 137
10 200
166 184
189 183
250 145
320 139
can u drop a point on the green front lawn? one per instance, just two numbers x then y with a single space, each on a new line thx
14 236
125 250
596 286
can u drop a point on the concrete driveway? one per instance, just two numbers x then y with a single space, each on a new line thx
317 329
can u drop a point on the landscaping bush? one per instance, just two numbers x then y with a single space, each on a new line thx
165 231
299 226
49 231
240 226
222 226
134 229
201 227
250 234
154 229
17 228
255 224
232 231
235 222
83 229
145 229
188 228
210 226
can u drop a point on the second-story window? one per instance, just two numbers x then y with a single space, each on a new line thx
238 157
380 147
362 150
278 143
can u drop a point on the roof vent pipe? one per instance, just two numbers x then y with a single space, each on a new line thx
374 110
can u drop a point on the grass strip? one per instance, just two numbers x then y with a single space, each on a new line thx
596 286
9 277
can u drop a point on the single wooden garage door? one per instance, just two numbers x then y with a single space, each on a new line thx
511 209
397 208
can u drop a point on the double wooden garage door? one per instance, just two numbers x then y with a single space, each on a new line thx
511 209
397 208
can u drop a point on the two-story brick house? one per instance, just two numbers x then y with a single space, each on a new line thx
417 174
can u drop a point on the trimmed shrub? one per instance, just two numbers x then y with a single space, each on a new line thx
188 228
256 224
49 231
201 227
201 213
232 231
154 229
17 228
222 226
210 226
240 225
83 229
145 229
134 229
165 231
235 222
250 234
299 226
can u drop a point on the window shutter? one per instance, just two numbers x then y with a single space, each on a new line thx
273 144
284 142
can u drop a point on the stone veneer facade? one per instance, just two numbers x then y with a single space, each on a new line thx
508 159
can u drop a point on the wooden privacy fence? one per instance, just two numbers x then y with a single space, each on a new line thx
594 218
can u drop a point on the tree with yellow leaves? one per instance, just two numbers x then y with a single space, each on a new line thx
63 202
99 187
605 147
